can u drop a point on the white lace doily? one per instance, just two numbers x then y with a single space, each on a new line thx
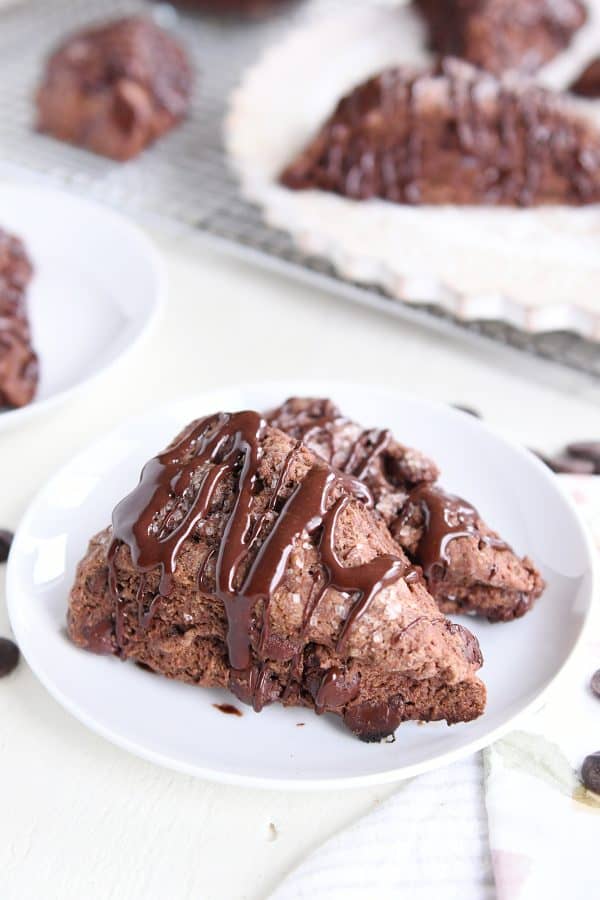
538 269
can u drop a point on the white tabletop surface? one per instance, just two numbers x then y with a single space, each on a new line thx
82 820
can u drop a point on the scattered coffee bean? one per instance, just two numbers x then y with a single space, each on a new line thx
595 683
590 772
9 656
470 410
589 450
567 465
6 538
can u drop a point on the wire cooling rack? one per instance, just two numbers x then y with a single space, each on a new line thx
184 180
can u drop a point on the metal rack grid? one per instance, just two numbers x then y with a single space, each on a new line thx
184 180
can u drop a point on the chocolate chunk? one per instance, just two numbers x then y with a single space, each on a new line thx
588 83
228 708
9 656
589 450
100 637
590 772
6 539
373 722
595 683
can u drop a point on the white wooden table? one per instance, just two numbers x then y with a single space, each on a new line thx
82 820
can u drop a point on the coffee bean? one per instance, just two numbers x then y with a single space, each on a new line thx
595 683
589 450
590 772
9 656
6 538
567 465
469 410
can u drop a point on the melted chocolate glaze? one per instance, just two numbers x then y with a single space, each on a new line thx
446 518
310 426
186 477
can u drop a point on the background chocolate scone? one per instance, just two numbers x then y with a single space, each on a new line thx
19 369
467 566
242 560
454 135
115 88
500 35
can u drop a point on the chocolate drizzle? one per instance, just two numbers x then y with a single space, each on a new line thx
318 423
446 518
452 134
180 487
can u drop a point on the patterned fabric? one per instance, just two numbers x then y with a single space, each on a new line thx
427 842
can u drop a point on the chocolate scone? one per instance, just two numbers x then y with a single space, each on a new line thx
501 35
18 361
115 88
244 561
456 135
467 567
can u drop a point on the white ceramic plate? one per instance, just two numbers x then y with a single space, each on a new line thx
176 725
97 288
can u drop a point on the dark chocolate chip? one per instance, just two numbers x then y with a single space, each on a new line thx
589 450
6 539
9 656
470 410
590 772
595 683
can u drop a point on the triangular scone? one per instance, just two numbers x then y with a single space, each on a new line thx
467 567
453 135
244 561
501 35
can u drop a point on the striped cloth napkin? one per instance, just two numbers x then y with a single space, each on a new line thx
432 839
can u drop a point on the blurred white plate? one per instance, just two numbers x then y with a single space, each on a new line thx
177 726
97 288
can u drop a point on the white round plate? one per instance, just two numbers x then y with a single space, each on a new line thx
177 725
98 287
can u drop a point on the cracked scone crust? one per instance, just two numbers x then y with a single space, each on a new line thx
475 571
